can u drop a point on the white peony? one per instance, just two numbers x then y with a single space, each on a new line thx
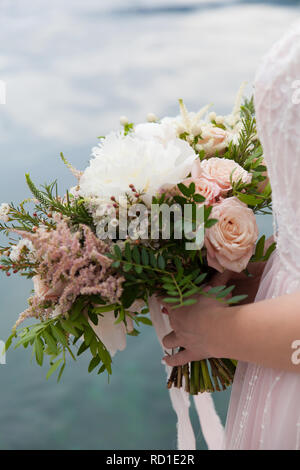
149 158
162 133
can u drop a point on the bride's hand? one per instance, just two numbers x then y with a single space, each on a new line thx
244 284
194 330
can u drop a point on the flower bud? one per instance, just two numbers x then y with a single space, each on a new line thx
124 120
151 117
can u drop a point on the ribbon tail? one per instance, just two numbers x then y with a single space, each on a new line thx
179 397
212 428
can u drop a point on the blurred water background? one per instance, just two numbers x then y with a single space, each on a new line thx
72 68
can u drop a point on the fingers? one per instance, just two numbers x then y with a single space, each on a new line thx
220 279
179 359
171 341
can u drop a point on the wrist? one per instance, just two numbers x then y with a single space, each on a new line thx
223 324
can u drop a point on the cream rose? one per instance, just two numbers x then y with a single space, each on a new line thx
213 139
230 242
220 170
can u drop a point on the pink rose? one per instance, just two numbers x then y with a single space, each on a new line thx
230 242
220 170
209 189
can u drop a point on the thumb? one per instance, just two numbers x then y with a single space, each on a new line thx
179 359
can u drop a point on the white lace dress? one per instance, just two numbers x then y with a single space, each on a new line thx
264 410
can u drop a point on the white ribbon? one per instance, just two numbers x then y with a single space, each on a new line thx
210 422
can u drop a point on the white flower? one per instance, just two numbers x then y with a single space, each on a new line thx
151 117
149 158
199 125
4 211
15 254
124 120
74 191
219 119
162 133
16 250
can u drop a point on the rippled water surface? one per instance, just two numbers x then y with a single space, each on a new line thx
72 68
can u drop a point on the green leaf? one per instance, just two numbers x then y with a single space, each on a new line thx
198 198
88 335
184 190
236 299
116 264
225 292
93 317
192 188
215 290
200 278
161 262
77 308
105 357
269 251
104 309
118 251
53 368
50 341
59 334
83 347
138 269
61 372
145 257
168 286
188 302
68 326
102 369
127 267
191 292
8 343
39 350
93 364
145 320
171 300
136 255
94 347
210 222
180 200
259 250
128 252
153 260
249 199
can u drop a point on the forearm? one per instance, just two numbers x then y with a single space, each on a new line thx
261 332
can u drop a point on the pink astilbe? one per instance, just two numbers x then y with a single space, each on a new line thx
71 263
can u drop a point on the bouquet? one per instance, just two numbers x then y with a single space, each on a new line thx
162 207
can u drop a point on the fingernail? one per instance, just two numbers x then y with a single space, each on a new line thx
165 311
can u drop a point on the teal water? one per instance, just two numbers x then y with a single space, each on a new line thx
72 68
